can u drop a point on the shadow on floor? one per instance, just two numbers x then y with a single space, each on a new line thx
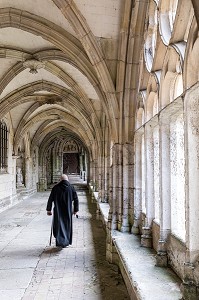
111 282
51 250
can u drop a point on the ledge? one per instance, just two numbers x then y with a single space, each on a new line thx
137 264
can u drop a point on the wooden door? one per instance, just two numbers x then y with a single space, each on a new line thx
71 163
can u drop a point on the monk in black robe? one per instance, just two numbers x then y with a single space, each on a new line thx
66 203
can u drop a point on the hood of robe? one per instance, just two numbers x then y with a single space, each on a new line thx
64 184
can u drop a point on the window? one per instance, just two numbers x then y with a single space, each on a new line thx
3 146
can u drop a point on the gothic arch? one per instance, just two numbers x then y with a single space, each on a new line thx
191 74
16 18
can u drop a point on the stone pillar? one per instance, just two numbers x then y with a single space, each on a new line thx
28 173
80 165
106 177
14 183
101 175
127 186
19 177
191 104
87 169
117 184
91 172
137 182
115 190
112 222
95 177
106 165
146 238
110 216
165 190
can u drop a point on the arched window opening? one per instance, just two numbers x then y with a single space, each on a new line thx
3 147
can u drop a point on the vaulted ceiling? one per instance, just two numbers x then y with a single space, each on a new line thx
58 66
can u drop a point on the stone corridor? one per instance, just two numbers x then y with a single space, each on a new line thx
31 269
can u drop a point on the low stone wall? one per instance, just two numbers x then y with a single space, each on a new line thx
155 235
138 264
176 255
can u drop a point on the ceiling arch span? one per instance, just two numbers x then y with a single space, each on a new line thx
58 125
56 54
55 70
17 18
23 20
58 142
50 55
80 26
62 134
61 95
86 124
23 95
25 117
48 127
53 54
59 132
36 140
51 114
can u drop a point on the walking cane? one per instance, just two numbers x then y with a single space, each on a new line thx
51 233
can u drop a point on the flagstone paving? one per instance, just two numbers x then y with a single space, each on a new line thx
31 269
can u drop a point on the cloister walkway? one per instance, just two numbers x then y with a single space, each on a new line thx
31 269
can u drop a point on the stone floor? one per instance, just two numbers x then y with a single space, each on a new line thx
31 269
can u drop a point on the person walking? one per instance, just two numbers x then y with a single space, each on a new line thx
66 203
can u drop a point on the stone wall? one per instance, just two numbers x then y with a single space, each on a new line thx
176 255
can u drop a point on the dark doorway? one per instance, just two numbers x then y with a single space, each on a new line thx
71 163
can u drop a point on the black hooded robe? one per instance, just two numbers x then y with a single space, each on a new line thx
63 194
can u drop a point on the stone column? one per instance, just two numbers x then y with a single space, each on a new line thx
137 182
80 165
95 177
91 172
165 190
117 184
85 176
110 216
146 238
127 186
28 173
14 184
114 189
106 178
54 165
101 175
190 282
112 221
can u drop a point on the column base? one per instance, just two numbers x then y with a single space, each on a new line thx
111 253
112 222
135 228
146 238
190 291
125 228
161 259
98 214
